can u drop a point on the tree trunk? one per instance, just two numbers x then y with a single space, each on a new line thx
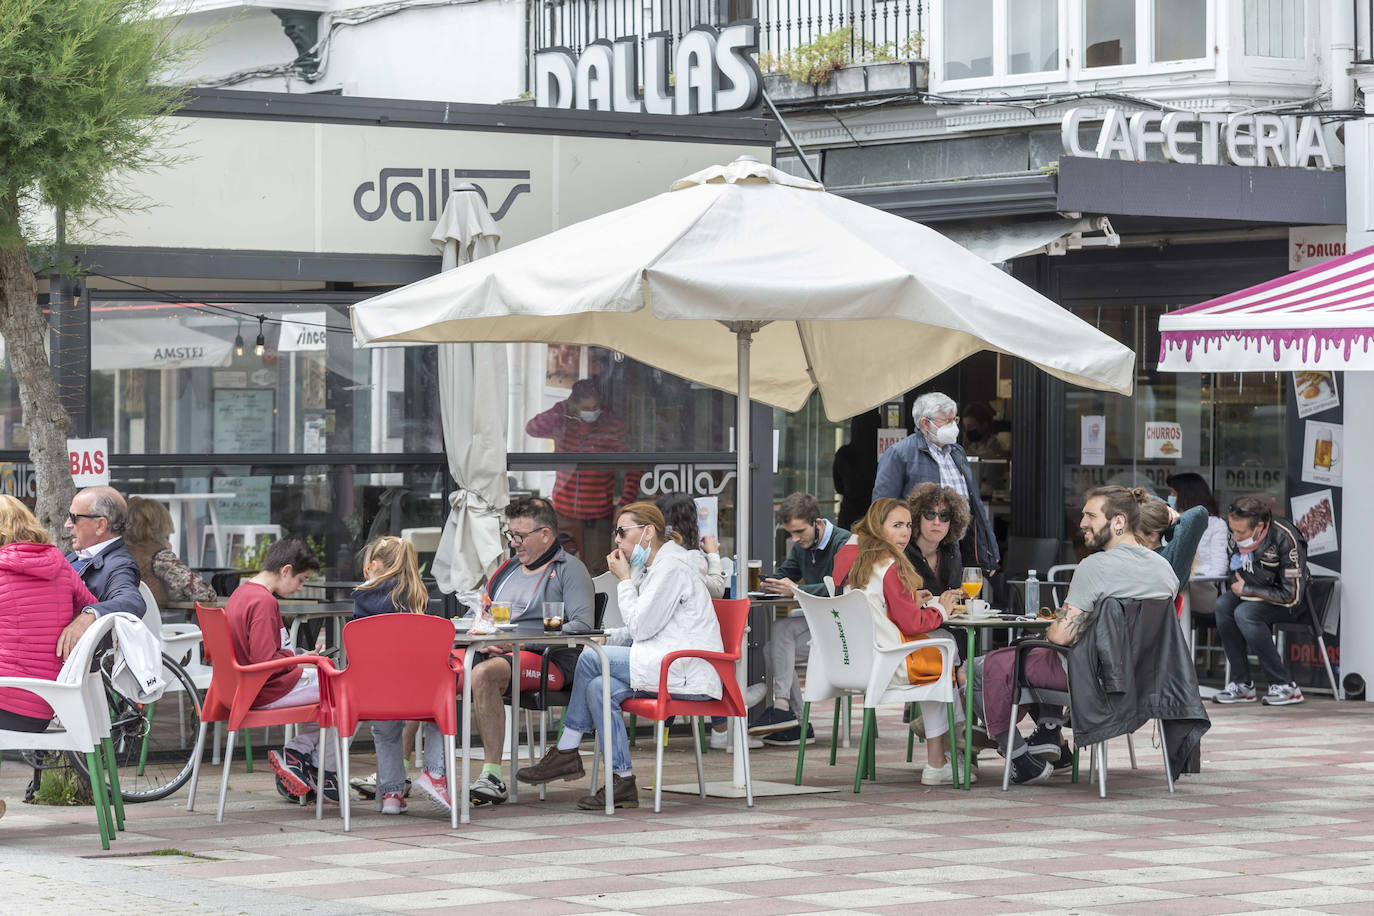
25 330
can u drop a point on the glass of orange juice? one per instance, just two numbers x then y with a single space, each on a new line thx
973 581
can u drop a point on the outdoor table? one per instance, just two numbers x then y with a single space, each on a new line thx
971 626
517 640
338 613
771 604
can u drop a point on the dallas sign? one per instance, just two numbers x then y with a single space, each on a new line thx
712 71
1205 138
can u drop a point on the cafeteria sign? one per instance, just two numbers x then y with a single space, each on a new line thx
1203 138
1163 440
709 71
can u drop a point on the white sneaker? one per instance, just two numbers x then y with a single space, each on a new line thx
753 695
719 741
393 804
942 776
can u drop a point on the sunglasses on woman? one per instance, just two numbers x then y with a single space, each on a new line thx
620 531
932 516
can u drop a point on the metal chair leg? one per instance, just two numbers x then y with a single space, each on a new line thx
801 748
743 738
1102 773
1006 766
342 774
1130 746
658 766
1164 749
195 764
224 778
697 740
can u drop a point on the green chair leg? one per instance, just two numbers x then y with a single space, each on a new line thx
248 749
801 748
835 733
954 751
873 746
95 767
634 727
910 737
701 735
1075 764
862 766
112 768
143 748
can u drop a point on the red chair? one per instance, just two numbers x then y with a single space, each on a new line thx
733 614
234 687
398 670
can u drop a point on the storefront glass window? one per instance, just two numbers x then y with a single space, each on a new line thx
1108 33
12 435
1180 29
1227 427
968 39
1032 36
806 444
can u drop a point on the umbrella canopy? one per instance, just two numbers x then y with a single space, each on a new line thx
472 409
834 285
1318 318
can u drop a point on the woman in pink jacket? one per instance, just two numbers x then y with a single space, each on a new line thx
40 593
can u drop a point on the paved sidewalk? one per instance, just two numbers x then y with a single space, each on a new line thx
1278 822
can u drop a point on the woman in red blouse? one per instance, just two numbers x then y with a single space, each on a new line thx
874 562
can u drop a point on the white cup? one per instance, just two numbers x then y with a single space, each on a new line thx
977 607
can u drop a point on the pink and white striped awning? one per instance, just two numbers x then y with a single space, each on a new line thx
1318 318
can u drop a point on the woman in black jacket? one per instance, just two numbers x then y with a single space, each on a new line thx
940 516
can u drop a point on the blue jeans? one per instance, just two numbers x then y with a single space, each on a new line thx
584 710
391 767
1248 625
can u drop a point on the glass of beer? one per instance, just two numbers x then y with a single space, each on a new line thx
553 616
973 581
755 575
500 612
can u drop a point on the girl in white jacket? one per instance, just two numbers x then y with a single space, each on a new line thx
666 608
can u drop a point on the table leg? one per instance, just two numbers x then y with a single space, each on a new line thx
968 713
767 669
178 525
464 814
514 784
606 720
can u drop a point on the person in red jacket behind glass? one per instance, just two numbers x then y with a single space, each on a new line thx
40 593
585 500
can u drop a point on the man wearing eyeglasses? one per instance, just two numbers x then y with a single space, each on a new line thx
935 456
95 524
541 571
1269 578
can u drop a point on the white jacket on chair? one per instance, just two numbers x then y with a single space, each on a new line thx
137 671
666 608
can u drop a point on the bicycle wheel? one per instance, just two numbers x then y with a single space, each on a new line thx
154 743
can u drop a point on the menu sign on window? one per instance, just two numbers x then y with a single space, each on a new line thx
1163 440
244 421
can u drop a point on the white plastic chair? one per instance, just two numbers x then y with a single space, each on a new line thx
727 567
77 698
608 584
845 660
1053 580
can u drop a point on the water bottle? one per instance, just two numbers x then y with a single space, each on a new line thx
1032 594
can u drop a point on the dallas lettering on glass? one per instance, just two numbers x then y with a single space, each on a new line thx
711 71
1207 138
409 201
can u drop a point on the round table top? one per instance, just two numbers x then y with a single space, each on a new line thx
972 623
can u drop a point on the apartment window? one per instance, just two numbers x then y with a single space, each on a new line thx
1274 28
1180 30
1032 36
968 39
1109 33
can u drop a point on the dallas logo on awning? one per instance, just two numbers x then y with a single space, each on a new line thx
414 201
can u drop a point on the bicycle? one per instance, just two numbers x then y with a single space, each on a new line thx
154 749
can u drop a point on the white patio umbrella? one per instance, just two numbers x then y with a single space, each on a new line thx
752 281
472 410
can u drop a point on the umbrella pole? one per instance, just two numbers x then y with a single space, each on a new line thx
744 335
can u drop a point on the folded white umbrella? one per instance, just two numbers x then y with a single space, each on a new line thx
752 281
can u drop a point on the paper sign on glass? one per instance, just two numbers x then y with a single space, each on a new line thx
1094 441
1321 452
1315 516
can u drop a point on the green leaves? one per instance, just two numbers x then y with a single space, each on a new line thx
82 91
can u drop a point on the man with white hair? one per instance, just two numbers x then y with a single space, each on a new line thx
935 456
96 526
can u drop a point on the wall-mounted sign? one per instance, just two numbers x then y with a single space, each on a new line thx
1309 245
692 479
710 71
1205 138
889 436
90 462
303 332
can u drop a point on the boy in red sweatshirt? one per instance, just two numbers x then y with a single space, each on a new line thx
258 635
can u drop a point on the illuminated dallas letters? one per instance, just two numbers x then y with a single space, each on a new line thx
1206 138
712 71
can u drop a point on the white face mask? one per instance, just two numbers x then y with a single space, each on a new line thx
947 434
589 416
1247 543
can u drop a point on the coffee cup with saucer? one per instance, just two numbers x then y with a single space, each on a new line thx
977 607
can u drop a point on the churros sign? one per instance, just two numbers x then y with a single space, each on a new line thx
1163 440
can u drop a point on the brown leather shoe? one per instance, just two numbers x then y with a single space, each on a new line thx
626 795
555 765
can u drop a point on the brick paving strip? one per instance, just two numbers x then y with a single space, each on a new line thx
1280 821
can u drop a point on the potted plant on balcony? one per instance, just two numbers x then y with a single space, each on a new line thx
836 64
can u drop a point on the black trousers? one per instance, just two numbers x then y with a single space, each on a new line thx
14 722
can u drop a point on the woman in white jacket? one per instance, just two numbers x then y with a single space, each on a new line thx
666 608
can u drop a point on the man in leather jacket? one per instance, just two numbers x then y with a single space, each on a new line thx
1269 580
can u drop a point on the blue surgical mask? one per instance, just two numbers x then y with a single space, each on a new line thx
639 556
1173 500
589 416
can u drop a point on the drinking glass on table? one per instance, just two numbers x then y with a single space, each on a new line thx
500 612
973 581
553 616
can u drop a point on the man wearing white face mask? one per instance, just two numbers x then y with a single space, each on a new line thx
935 456
586 499
1268 585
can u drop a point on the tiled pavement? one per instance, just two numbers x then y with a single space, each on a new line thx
1280 821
